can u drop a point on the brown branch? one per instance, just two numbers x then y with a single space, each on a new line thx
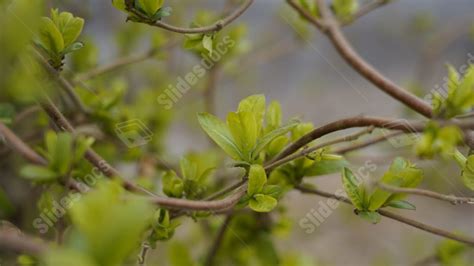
217 26
396 217
218 241
121 62
309 150
19 146
364 121
427 193
348 53
21 243
367 143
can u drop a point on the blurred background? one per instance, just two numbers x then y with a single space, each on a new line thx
409 41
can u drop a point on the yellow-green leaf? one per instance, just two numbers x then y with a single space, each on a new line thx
257 179
262 203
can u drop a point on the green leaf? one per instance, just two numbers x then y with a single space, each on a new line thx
62 154
163 12
120 5
373 217
220 134
325 167
69 26
243 128
7 112
262 203
173 186
38 173
50 38
207 43
273 116
179 255
272 190
257 179
255 105
401 204
267 138
150 6
344 9
401 173
468 173
188 169
64 256
73 47
353 188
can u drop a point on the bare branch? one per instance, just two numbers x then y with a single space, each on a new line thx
217 26
396 217
426 193
20 243
19 146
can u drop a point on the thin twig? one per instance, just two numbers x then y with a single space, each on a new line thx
218 241
397 217
19 146
21 243
217 26
309 150
427 193
367 143
364 121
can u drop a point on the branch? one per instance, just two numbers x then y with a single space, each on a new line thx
396 217
364 121
217 26
307 151
63 83
331 28
21 244
427 193
19 146
367 143
121 62
218 241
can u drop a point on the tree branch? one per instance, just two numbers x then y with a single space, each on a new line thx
367 143
19 146
21 243
364 121
366 9
426 193
218 241
396 217
217 26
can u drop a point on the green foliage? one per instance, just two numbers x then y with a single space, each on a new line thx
367 201
152 10
62 152
261 198
344 9
460 97
58 34
242 137
7 112
451 252
468 173
436 140
163 227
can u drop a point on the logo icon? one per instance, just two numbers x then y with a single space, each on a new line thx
133 133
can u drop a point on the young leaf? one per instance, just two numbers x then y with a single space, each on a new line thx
267 138
50 38
468 173
325 167
272 190
220 134
353 189
38 173
273 116
257 179
243 128
69 26
120 5
255 105
207 43
401 204
262 203
373 217
150 6
173 186
344 9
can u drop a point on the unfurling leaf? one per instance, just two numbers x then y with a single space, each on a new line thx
257 179
373 217
262 203
353 188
